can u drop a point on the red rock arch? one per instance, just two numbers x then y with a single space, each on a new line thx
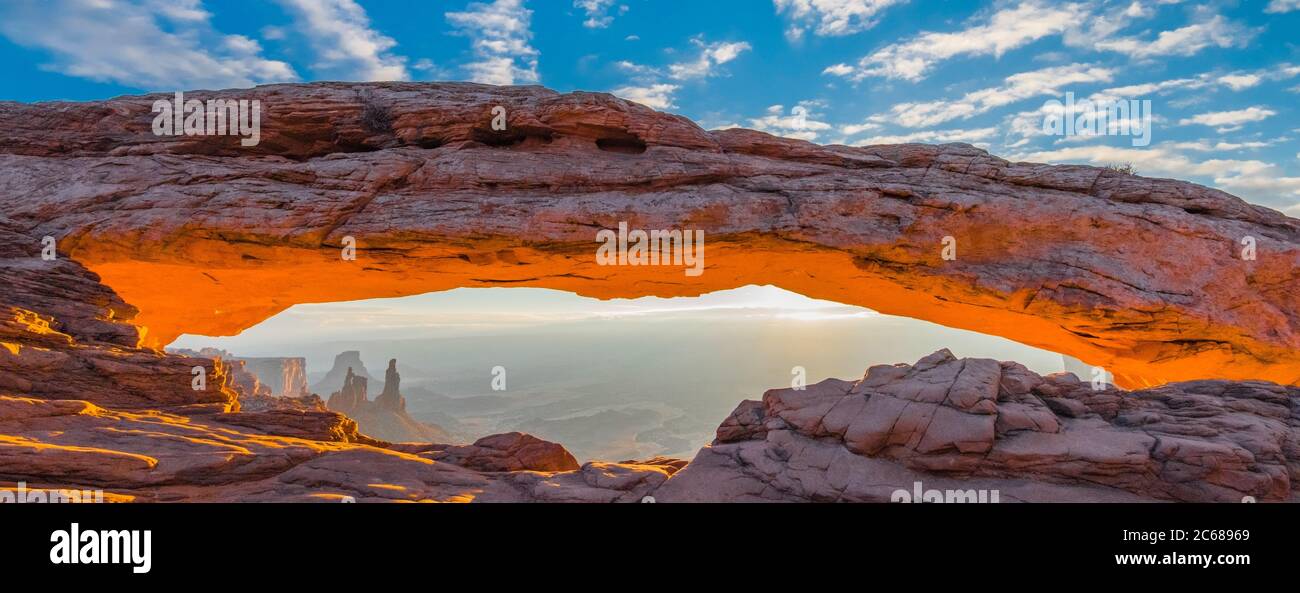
1138 275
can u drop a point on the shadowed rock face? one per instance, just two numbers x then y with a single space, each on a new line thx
1138 275
983 425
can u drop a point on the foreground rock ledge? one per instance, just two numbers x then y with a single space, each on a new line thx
944 424
979 425
1141 276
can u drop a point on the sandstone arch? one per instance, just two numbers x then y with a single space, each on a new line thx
1141 276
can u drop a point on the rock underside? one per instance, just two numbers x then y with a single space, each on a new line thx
160 236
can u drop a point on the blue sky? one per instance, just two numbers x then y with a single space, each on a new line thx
1223 77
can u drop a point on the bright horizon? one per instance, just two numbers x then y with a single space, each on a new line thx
510 312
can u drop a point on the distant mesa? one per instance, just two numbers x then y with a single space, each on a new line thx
333 380
384 418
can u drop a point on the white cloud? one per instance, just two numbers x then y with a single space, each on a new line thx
345 45
838 70
1279 6
1017 87
1234 80
501 36
1152 88
1024 125
180 10
1185 41
831 17
1087 25
1268 186
147 45
657 96
648 86
976 136
597 11
1241 81
711 56
1004 30
855 129
801 123
1222 146
1227 121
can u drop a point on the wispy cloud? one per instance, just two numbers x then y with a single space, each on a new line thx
650 85
1082 25
346 46
1223 146
831 17
1184 41
976 136
1017 87
801 123
147 45
1280 6
711 56
598 12
1004 30
657 95
1241 81
502 37
1227 121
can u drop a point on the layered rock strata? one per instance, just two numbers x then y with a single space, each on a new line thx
1144 277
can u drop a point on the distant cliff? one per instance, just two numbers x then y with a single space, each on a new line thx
268 376
284 376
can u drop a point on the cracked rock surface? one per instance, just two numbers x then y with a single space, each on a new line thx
979 424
